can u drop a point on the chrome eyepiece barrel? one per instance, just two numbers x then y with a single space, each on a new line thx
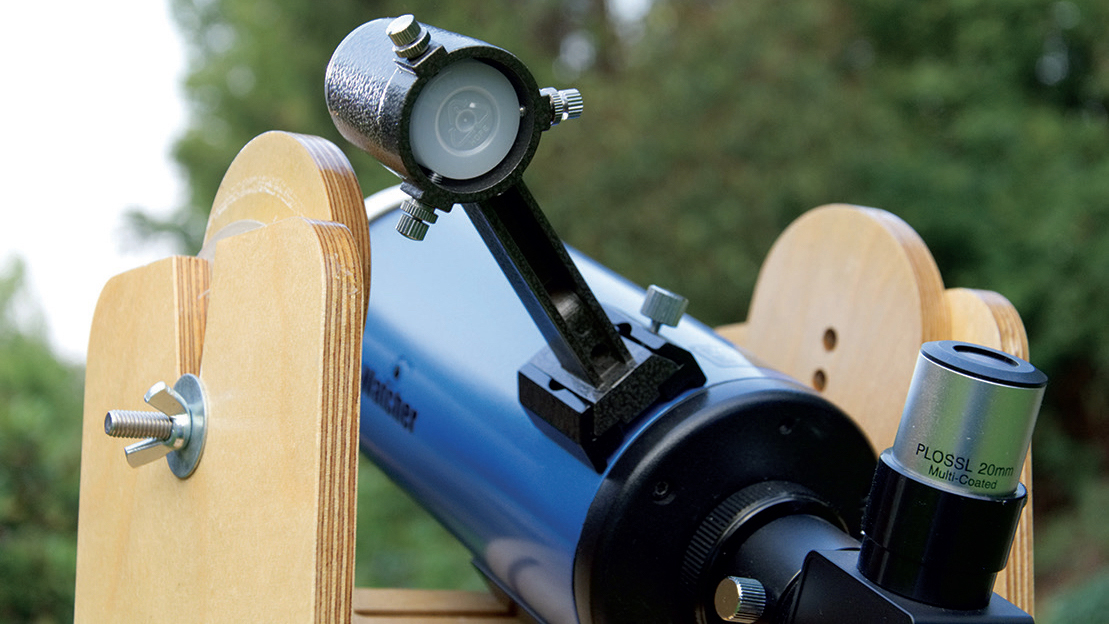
968 420
946 498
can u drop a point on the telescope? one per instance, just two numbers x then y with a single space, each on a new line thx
607 458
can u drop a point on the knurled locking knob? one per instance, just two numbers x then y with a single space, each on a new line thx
663 307
565 104
414 219
419 210
411 228
740 599
409 38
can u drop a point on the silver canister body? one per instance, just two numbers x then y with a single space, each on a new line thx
968 418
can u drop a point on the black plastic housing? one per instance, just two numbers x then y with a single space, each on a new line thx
637 561
933 545
831 590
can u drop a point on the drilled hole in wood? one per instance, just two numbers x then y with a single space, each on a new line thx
829 339
819 380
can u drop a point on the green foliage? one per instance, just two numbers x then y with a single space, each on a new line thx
725 126
399 545
40 446
712 125
1072 547
1085 604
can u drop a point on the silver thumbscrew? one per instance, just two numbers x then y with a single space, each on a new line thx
410 39
176 431
740 599
565 104
414 219
663 307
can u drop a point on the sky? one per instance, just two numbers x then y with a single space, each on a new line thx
90 107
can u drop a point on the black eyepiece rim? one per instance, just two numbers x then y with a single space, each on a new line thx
984 363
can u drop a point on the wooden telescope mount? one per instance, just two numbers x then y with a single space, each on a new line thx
270 319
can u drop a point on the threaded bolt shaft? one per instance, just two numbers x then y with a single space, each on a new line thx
135 424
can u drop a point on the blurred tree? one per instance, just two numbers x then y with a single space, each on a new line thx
258 65
40 447
710 125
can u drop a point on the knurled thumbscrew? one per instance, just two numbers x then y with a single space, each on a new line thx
414 219
176 431
565 104
740 599
663 307
410 39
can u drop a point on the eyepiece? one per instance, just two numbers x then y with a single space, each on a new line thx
946 500
968 419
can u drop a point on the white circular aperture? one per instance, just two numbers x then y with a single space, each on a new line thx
464 121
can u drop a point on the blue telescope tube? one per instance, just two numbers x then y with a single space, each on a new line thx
445 336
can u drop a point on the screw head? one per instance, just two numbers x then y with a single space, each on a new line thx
663 307
409 38
740 599
419 210
403 30
411 227
565 104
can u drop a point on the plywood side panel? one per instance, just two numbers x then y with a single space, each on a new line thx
264 529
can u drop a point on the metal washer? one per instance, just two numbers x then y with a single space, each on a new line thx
183 462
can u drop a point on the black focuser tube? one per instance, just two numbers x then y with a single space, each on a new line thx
946 498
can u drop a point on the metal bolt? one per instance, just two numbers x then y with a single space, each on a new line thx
565 104
740 599
414 219
663 307
132 424
176 430
410 39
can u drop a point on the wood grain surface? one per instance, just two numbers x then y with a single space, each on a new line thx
264 529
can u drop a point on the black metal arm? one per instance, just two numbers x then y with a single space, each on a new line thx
592 380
